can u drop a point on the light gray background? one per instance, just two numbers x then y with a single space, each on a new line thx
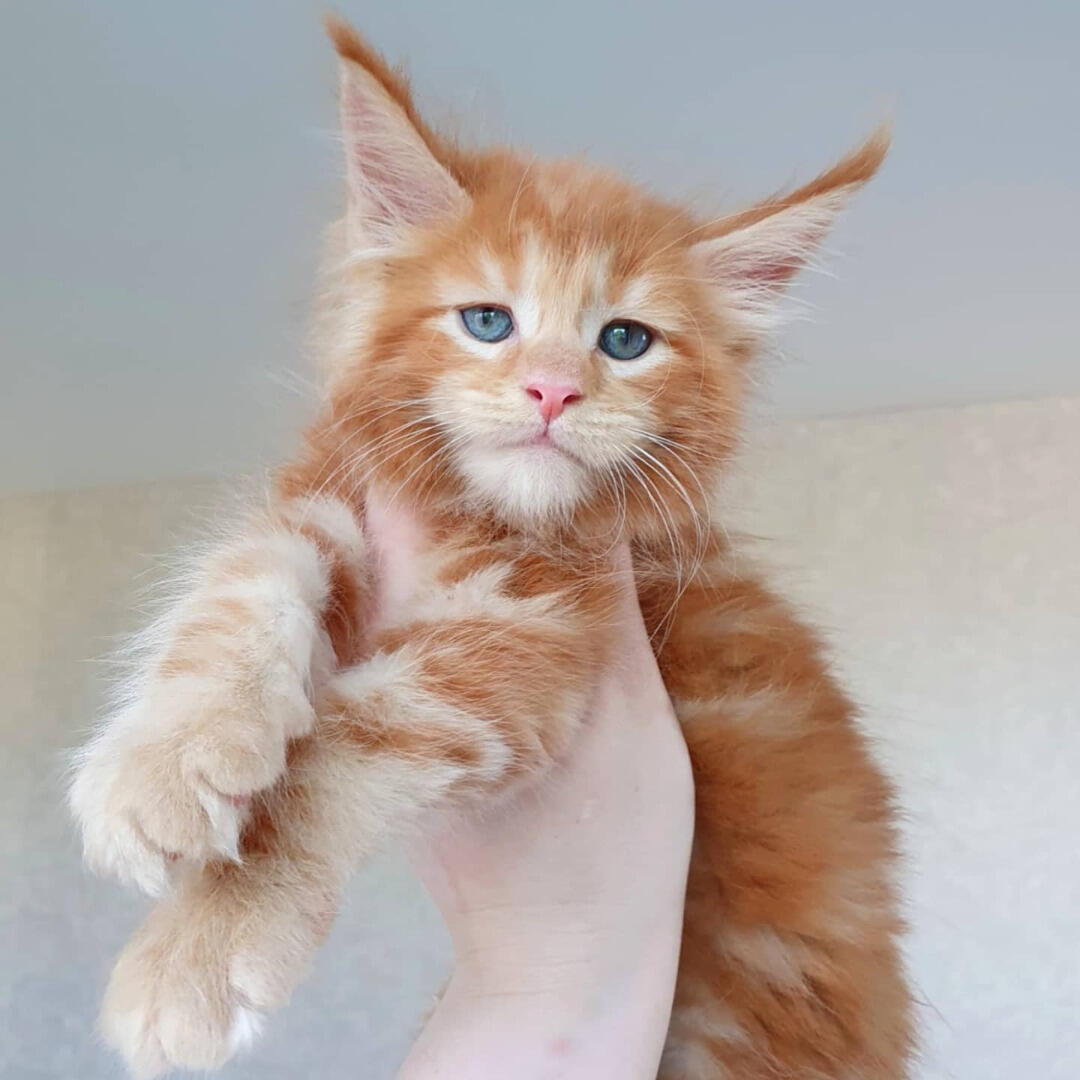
167 168
164 172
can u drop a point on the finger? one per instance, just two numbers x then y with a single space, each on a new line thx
631 634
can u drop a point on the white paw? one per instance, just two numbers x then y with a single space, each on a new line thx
171 777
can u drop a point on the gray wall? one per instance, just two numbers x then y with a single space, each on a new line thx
166 168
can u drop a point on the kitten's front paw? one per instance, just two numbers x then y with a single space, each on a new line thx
197 980
170 778
171 1001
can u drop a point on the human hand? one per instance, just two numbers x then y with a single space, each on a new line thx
565 904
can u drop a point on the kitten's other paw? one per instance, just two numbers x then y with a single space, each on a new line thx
171 777
171 1003
198 979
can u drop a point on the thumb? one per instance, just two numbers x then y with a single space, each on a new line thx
632 646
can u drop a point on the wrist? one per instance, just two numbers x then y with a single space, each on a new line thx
567 951
562 1016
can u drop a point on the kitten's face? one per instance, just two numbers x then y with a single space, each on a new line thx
557 348
545 341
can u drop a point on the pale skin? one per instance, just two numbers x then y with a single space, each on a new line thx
565 906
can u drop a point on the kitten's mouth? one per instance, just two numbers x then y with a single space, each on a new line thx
545 444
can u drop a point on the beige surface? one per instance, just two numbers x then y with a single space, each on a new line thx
941 548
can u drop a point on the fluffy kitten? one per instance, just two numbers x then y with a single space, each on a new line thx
542 359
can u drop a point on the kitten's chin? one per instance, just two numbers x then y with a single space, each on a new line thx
526 485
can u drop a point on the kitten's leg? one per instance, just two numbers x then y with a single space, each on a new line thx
224 683
486 686
233 939
790 965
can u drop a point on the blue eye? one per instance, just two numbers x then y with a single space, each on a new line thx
625 340
487 323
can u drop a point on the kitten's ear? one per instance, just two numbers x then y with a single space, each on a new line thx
752 255
395 180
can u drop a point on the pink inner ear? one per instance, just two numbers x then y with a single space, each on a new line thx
769 272
768 253
386 187
750 267
393 177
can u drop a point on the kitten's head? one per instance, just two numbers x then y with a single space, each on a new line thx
546 342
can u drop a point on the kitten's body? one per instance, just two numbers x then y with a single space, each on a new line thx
304 701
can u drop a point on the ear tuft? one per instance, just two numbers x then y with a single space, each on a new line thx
753 254
395 178
352 47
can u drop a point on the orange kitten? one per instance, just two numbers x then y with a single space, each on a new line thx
541 359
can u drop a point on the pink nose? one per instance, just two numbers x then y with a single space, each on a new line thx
551 398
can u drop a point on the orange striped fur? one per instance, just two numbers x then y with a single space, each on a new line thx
315 692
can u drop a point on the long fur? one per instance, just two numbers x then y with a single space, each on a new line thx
313 693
